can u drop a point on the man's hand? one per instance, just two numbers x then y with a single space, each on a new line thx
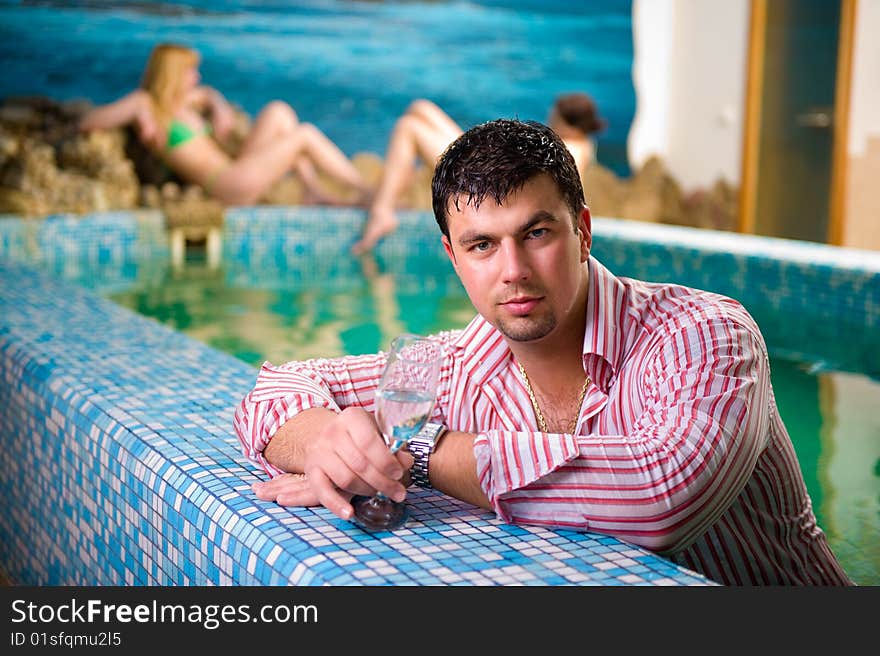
287 490
349 456
346 456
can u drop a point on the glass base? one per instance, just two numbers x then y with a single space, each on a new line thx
378 513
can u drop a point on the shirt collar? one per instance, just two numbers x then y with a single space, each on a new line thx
485 352
604 335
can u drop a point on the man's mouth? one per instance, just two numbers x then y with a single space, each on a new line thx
521 305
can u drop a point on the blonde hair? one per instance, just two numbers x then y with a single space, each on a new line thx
164 78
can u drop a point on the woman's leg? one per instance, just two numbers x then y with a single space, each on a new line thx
424 131
247 178
275 121
327 157
431 114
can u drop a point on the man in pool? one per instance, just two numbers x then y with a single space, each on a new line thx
574 399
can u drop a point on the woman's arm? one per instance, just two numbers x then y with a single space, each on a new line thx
208 99
115 114
134 107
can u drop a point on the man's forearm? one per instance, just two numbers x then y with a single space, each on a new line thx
453 469
286 448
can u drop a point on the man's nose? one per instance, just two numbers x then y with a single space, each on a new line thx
514 262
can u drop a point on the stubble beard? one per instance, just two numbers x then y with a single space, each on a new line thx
526 329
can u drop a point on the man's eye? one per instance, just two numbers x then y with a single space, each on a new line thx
480 246
538 232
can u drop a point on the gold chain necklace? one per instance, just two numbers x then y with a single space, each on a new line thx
542 424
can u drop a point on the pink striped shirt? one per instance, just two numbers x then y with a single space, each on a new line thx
678 447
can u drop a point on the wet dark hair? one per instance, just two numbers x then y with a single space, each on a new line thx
579 111
497 158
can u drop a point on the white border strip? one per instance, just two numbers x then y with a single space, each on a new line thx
791 250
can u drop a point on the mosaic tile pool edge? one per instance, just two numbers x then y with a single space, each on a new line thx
120 469
61 415
789 275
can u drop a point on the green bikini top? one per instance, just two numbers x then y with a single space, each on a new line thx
179 133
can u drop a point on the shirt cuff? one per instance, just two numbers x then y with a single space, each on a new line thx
270 405
509 461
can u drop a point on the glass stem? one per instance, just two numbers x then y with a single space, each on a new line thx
395 447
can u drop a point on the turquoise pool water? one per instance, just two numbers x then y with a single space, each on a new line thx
347 306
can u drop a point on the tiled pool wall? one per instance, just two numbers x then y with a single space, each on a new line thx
118 458
114 431
284 248
106 249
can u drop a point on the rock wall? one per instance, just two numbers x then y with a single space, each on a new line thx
48 167
653 194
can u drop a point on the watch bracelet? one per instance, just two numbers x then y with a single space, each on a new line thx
421 451
419 471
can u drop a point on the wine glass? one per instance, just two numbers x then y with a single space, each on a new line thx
404 400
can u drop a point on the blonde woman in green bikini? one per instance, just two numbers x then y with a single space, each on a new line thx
168 113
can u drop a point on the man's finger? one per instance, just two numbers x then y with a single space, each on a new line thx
329 496
365 434
269 490
369 478
302 496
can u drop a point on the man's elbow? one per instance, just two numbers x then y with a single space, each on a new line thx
663 538
241 423
664 544
660 528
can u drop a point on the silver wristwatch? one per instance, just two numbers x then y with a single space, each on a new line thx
421 446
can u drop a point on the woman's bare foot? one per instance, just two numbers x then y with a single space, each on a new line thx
380 223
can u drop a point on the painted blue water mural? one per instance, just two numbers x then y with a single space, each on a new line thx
349 67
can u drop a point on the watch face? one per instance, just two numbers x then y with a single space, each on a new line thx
436 431
423 441
429 434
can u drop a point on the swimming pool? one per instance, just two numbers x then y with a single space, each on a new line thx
286 289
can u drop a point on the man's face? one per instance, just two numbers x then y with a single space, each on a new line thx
521 263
